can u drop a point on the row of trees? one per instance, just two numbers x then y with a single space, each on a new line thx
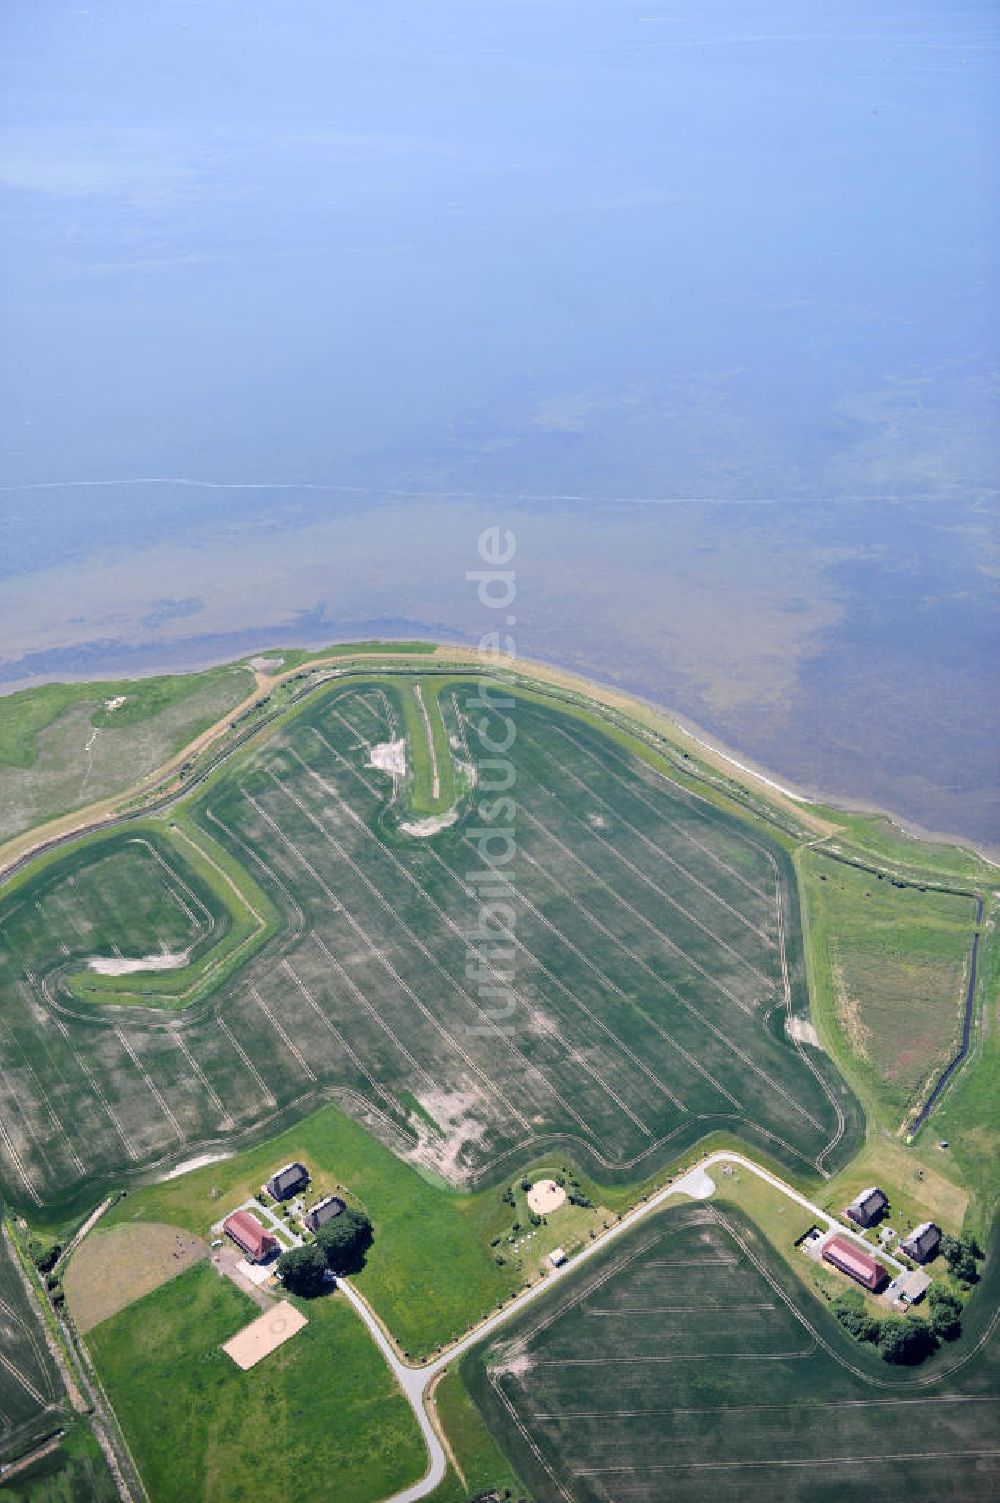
901 1340
341 1246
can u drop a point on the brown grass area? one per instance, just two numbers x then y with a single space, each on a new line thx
111 1269
849 1015
906 1010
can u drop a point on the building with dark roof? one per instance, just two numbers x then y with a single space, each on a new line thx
849 1259
288 1181
323 1211
248 1234
866 1208
922 1243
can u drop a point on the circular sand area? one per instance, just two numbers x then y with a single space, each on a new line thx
545 1196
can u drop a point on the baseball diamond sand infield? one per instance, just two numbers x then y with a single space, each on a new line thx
545 1196
264 1335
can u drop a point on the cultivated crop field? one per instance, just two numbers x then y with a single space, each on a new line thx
32 1397
678 1366
654 960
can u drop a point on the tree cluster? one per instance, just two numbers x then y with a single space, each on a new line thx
900 1341
961 1254
341 1246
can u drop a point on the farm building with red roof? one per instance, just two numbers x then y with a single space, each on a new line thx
248 1234
855 1263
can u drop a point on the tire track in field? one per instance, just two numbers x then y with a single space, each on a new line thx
664 855
499 976
648 881
687 793
563 939
365 939
527 1065
723 1038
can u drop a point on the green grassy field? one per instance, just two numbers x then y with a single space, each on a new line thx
33 1402
61 747
319 1417
891 970
655 958
682 1364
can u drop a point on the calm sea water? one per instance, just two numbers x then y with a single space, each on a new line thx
699 299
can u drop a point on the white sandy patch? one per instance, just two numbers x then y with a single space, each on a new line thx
597 821
389 756
802 1031
115 703
257 1273
695 1183
429 826
266 665
545 1196
197 1163
166 960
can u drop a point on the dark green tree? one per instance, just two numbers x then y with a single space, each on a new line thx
905 1342
946 1313
303 1270
345 1241
960 1256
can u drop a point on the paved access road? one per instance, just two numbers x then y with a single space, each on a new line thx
415 1381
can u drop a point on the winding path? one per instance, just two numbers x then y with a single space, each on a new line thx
697 1183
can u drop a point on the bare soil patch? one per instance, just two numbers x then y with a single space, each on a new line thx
431 825
389 756
111 1269
166 960
264 1335
545 1196
803 1031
